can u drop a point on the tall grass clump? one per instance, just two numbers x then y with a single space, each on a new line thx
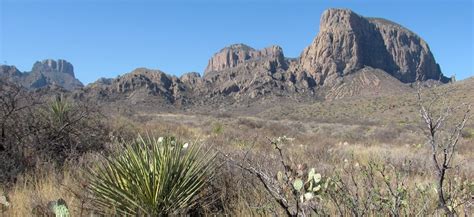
152 177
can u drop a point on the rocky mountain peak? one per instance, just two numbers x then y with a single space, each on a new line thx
238 54
348 42
351 55
341 18
6 70
50 65
237 47
44 73
409 52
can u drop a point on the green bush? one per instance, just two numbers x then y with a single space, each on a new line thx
152 177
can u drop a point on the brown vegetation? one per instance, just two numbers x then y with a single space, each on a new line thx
377 163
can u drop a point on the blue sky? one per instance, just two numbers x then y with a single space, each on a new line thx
106 38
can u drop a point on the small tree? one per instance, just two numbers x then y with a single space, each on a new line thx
442 137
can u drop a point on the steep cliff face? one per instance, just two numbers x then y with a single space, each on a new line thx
49 65
238 54
44 73
409 52
348 42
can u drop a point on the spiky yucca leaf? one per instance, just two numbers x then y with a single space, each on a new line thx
152 177
59 109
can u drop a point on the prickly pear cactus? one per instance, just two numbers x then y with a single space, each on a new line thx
310 188
298 184
59 208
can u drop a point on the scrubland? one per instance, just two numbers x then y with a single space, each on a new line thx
371 157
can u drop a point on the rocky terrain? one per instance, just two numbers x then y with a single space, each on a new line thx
351 56
43 74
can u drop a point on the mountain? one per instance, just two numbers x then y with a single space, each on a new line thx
350 56
142 85
44 73
348 42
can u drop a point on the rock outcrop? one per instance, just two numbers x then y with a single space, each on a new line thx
409 53
348 42
49 65
139 84
44 73
351 55
238 54
9 71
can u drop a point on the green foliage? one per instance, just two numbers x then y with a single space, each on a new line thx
59 208
152 177
217 128
56 208
298 184
59 109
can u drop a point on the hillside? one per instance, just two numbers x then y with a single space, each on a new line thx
44 73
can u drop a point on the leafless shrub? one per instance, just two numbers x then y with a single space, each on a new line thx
16 107
33 130
442 133
296 188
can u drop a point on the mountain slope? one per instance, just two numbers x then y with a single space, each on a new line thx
44 73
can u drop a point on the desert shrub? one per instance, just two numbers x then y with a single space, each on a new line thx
65 130
16 109
386 134
152 177
233 193
252 124
353 183
366 189
36 129
296 188
361 189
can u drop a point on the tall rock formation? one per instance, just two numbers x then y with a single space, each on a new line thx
410 53
44 73
49 65
238 54
348 42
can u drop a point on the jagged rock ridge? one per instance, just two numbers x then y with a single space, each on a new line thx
237 54
351 55
44 73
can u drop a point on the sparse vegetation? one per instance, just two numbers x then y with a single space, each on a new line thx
369 166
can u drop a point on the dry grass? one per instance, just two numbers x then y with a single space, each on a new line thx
328 136
40 188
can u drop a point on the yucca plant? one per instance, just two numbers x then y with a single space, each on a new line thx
59 109
152 177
